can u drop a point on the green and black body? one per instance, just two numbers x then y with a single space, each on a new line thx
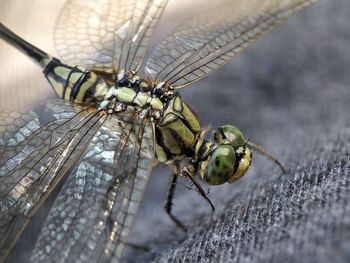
177 130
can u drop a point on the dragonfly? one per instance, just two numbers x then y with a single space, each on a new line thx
108 125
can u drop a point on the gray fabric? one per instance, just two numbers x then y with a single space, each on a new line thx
290 93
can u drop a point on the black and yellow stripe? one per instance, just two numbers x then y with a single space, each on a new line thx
75 83
70 82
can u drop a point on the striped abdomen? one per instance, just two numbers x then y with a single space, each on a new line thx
71 83
75 83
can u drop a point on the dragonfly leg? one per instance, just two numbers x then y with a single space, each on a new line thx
169 202
190 175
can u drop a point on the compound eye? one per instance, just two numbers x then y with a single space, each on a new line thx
220 165
233 135
229 134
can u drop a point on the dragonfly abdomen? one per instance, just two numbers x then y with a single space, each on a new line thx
71 83
35 53
75 84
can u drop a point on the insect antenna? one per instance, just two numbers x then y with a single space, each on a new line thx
264 152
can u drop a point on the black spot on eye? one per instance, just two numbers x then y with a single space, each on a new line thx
217 161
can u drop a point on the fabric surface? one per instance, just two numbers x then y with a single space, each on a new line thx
290 93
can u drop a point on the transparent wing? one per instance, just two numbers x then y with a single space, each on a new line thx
35 154
91 219
207 41
107 35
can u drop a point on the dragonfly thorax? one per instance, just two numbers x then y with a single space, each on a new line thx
176 131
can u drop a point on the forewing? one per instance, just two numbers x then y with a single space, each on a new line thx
92 217
107 35
35 154
207 41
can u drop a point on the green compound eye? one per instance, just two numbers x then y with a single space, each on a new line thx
220 165
229 134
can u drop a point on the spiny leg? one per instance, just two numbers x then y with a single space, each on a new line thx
185 171
169 202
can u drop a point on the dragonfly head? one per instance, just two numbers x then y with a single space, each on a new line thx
229 160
